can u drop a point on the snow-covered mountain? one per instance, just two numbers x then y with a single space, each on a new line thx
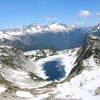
15 69
25 77
44 37
96 30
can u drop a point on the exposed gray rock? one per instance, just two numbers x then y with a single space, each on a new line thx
90 47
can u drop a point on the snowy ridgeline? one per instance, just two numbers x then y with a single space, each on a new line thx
34 37
44 37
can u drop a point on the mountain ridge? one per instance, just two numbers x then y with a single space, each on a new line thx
47 37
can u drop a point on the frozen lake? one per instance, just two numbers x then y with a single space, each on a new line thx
54 69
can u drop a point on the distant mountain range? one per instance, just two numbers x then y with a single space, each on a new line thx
56 36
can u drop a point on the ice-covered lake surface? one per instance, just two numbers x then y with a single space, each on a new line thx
54 70
56 67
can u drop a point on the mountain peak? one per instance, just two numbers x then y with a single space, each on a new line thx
59 27
37 28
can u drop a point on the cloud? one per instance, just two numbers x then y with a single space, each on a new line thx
84 13
51 18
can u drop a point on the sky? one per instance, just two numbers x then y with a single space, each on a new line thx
14 13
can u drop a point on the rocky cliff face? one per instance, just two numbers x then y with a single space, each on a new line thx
91 48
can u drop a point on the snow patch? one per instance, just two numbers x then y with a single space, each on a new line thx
82 86
24 94
2 89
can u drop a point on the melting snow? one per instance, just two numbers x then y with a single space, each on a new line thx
2 89
82 86
24 94
67 60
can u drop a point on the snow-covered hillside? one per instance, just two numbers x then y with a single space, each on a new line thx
96 30
24 78
16 70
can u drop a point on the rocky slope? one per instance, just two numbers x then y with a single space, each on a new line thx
16 70
96 30
20 78
90 48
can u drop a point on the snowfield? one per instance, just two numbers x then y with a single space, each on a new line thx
2 89
81 87
24 78
24 94
85 86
